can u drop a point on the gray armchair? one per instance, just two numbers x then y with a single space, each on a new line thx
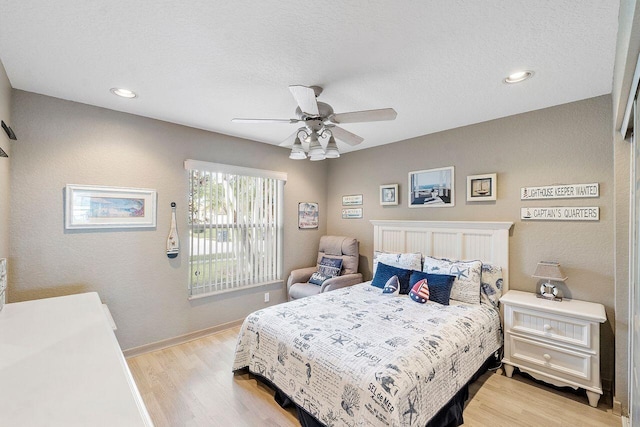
298 285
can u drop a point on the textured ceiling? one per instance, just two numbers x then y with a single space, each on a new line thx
439 63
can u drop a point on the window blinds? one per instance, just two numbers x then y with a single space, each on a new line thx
236 225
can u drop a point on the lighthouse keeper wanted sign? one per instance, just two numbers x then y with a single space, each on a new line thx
561 213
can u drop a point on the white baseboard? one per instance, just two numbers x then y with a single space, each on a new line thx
170 342
625 422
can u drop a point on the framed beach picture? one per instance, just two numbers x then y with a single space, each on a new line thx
389 194
307 215
88 207
482 187
431 188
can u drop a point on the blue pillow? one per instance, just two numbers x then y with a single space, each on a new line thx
439 285
328 268
385 272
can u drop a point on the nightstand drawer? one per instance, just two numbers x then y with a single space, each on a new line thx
561 329
563 363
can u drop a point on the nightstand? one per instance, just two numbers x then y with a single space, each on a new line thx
557 342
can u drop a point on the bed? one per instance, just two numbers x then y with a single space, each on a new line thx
356 357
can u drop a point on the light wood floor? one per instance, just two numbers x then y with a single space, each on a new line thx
192 385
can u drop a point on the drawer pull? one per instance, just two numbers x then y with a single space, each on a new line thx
546 356
547 327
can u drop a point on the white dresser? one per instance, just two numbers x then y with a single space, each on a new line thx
554 341
61 365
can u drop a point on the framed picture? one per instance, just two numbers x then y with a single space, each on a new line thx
431 188
307 215
89 207
352 213
482 187
353 200
389 194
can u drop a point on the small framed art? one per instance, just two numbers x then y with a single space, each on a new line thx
307 215
431 188
352 213
389 194
482 188
89 207
352 200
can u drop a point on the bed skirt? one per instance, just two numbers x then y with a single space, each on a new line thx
450 415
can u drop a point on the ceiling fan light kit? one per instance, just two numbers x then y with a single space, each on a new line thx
331 151
297 151
314 115
315 148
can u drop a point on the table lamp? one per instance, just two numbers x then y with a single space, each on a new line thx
549 271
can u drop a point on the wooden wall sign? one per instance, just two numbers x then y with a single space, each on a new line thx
568 191
352 213
566 213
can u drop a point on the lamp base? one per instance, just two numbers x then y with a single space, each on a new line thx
550 298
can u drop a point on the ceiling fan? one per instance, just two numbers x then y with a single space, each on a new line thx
320 121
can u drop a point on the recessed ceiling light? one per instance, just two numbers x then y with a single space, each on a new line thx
125 93
518 77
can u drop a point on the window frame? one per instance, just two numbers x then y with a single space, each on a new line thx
208 289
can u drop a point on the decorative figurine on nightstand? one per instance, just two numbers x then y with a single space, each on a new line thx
549 270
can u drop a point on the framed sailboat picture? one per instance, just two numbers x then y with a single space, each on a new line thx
481 188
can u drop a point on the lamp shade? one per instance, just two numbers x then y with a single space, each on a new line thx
332 149
315 148
549 270
297 155
297 151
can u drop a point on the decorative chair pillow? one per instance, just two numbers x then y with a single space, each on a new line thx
491 285
392 287
408 261
466 286
327 268
439 285
420 291
385 272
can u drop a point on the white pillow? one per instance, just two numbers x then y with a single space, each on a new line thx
466 286
408 261
491 285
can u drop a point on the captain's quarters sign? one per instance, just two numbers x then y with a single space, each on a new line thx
568 213
568 191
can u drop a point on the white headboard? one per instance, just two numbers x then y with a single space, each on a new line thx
459 240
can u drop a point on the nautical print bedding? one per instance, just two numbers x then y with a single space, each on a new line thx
356 357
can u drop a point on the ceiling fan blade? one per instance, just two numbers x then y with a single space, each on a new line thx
364 116
265 120
306 99
345 136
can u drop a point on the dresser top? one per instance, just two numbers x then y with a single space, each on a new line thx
61 365
569 307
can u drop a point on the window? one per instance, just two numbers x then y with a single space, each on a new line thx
236 224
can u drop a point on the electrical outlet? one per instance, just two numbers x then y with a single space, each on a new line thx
266 297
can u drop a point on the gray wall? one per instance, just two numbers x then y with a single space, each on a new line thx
566 144
627 49
62 143
5 107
